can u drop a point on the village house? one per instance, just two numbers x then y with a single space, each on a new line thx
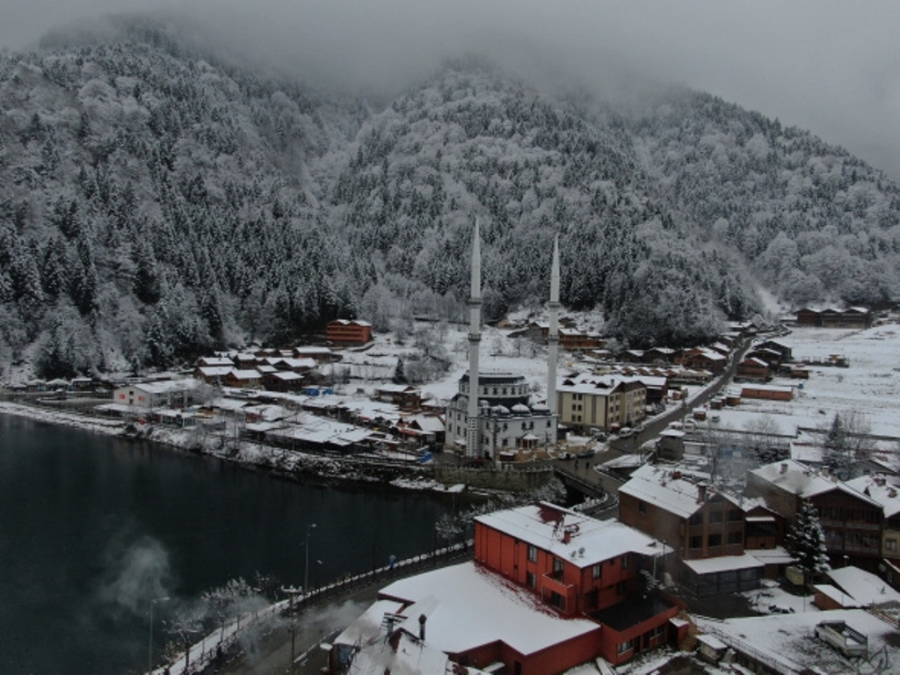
601 402
243 379
283 381
753 368
767 392
344 332
403 395
212 374
549 589
702 358
145 396
581 567
853 317
425 429
886 491
852 521
318 354
701 523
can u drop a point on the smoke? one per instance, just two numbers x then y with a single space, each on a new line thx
135 574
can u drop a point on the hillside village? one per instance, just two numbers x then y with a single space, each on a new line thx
703 459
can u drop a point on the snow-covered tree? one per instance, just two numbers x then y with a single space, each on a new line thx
806 540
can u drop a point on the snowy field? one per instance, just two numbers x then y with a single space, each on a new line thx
869 387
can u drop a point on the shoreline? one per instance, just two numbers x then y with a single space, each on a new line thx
277 462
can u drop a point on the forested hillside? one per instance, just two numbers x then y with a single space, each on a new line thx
154 204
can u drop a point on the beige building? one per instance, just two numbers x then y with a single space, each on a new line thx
600 402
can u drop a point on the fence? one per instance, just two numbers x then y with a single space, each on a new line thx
201 655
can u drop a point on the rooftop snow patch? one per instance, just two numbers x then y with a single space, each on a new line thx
469 607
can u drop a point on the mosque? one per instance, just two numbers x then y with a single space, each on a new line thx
498 417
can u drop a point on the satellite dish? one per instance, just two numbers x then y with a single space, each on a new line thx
574 553
581 551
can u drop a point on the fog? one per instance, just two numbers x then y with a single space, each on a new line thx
830 67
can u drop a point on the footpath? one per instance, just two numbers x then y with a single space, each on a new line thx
265 641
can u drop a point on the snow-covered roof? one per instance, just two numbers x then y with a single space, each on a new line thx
249 374
216 361
866 588
395 388
166 386
834 593
669 489
312 350
368 624
430 423
467 607
882 490
801 480
286 375
772 556
580 539
723 563
215 371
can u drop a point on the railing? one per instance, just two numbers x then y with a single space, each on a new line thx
201 655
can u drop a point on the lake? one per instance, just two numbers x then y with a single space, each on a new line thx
93 527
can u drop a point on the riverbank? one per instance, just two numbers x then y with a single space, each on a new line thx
280 462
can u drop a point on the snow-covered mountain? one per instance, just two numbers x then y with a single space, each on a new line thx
155 203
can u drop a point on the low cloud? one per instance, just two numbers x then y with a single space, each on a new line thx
827 67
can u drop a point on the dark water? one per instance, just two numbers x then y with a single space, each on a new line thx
93 527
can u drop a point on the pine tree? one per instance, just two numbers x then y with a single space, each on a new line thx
399 373
837 449
806 541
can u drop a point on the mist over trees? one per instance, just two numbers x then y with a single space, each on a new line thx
154 205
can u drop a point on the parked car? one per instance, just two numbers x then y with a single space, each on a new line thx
565 455
626 432
587 452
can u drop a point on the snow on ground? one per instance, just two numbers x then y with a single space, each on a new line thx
787 642
771 598
870 386
375 365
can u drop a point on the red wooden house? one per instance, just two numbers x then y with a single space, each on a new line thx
347 332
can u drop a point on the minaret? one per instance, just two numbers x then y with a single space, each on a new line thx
472 428
553 333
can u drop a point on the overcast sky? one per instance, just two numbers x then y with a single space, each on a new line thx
831 67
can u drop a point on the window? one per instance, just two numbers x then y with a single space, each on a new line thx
697 542
642 507
624 562
735 537
597 571
620 588
532 553
715 517
624 646
558 568
890 544
735 515
714 540
557 600
530 580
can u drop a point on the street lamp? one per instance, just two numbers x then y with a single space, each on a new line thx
306 572
150 647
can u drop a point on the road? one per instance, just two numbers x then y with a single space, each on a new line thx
654 428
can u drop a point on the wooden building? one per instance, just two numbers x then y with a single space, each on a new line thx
345 332
852 521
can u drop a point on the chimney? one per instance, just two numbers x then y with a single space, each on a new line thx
892 493
879 480
701 492
783 468
422 620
